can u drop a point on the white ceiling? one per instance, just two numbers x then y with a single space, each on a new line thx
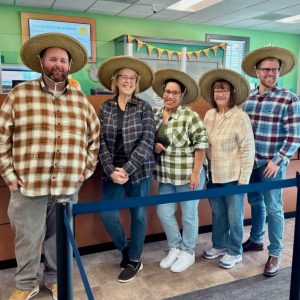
251 14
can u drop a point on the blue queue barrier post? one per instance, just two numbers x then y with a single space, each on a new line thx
295 276
64 254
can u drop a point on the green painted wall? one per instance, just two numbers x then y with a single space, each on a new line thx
110 27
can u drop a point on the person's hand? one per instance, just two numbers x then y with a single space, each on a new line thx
159 147
194 180
82 178
271 169
119 176
15 186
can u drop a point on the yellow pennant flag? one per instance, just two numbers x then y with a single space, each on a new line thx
206 52
215 49
150 48
139 44
130 38
179 54
160 52
223 46
169 53
189 54
198 53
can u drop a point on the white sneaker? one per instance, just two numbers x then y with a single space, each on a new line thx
183 262
168 261
213 253
228 261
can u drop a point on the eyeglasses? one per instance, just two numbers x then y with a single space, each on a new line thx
174 93
222 91
125 78
267 70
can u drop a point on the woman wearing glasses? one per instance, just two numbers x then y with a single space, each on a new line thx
180 151
230 156
126 153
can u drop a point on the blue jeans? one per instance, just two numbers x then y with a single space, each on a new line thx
269 201
189 211
227 220
111 219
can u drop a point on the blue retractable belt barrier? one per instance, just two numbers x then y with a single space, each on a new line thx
64 232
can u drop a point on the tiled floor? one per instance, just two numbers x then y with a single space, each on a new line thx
154 282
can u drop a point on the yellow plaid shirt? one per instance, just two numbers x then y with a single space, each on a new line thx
231 149
47 142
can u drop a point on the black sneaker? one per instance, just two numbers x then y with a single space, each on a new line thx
125 259
130 272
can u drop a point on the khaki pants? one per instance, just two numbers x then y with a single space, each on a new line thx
33 220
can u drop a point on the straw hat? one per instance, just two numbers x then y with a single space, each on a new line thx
287 58
35 45
110 66
161 76
240 84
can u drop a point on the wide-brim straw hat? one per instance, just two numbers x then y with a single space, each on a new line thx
110 66
163 75
287 58
32 48
240 84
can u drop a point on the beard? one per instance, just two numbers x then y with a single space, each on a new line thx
56 74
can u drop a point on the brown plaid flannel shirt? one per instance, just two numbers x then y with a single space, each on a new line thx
48 142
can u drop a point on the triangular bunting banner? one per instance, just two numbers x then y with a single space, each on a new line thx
189 54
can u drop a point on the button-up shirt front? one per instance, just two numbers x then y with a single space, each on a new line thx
48 142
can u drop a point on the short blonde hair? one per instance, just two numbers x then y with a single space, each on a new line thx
114 87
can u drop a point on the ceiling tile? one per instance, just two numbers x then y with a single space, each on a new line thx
78 5
108 7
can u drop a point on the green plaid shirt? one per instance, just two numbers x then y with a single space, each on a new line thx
186 132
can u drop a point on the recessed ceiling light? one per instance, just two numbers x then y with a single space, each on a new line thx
290 20
192 5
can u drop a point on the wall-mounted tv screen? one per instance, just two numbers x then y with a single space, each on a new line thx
82 29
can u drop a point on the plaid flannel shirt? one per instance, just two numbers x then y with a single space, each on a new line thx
47 142
231 146
138 138
186 133
275 118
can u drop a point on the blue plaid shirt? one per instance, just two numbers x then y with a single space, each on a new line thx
275 119
138 138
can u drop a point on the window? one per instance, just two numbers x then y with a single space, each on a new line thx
236 48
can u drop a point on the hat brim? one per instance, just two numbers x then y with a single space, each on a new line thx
161 76
32 48
287 58
110 66
240 84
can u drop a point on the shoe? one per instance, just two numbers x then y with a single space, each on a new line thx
213 253
252 246
131 271
228 261
53 289
183 262
125 258
168 261
272 266
24 294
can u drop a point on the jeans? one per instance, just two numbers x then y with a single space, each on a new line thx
269 201
33 220
189 210
111 219
227 220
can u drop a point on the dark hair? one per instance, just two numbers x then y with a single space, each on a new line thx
271 57
221 84
43 52
182 87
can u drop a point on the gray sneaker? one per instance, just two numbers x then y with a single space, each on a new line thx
213 253
228 261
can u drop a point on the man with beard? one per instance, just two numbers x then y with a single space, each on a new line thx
275 116
49 143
